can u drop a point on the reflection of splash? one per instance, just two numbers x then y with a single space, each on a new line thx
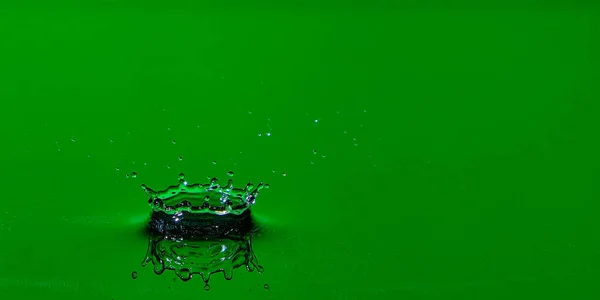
201 256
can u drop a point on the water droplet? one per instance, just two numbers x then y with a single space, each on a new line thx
207 287
214 162
168 166
126 175
58 149
249 112
168 128
118 169
268 134
89 155
180 158
355 145
273 170
111 140
364 110
230 173
314 151
133 175
284 174
312 162
266 286
174 142
185 274
345 132
134 274
260 134
323 156
73 140
317 121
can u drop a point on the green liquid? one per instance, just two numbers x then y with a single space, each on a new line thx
209 198
197 256
202 229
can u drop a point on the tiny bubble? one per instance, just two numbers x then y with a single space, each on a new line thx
207 287
364 110
323 156
345 132
180 158
354 139
126 175
214 162
314 151
72 139
133 175
89 155
168 166
268 134
273 170
230 173
355 145
58 149
174 142
133 162
284 174
312 162
266 286
145 163
260 134
111 140
249 112
168 128
118 169
317 121
134 275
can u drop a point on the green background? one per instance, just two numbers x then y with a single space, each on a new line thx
460 142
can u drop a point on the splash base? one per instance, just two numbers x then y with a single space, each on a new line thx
187 224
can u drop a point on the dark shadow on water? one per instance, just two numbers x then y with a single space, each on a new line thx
200 245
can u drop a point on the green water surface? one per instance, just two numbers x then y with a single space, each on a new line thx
412 151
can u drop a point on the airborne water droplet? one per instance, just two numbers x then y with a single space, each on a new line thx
133 175
214 162
230 173
180 158
266 286
207 287
174 142
284 174
134 274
